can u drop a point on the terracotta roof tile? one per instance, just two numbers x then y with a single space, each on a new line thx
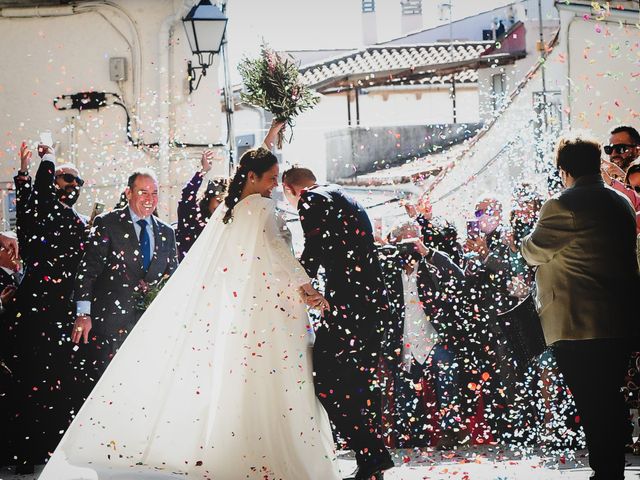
379 59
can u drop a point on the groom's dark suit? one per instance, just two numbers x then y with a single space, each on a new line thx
110 273
338 236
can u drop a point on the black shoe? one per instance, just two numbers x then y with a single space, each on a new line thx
25 469
372 470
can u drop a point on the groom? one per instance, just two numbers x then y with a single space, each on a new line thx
338 236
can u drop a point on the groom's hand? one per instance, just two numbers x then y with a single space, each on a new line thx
314 300
318 302
311 297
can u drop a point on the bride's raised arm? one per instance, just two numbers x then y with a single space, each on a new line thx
272 135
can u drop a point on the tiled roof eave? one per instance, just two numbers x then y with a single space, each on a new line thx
485 44
423 70
384 77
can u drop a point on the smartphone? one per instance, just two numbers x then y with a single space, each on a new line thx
46 138
407 250
473 228
98 208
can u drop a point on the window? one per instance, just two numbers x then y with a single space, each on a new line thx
411 7
498 87
368 6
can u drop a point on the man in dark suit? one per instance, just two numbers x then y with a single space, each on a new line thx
339 236
425 289
435 230
128 251
41 356
584 246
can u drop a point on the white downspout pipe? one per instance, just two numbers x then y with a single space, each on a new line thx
164 98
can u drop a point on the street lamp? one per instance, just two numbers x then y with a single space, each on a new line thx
205 25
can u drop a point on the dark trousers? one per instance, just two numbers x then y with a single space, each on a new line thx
344 384
594 371
443 371
46 391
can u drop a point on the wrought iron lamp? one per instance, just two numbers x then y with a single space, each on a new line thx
205 25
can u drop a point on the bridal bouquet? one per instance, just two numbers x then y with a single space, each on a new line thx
275 84
147 292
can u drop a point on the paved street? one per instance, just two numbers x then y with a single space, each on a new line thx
480 463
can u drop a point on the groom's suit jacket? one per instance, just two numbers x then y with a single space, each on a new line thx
111 268
338 236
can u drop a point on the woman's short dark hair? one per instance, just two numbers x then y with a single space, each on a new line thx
578 155
258 161
215 188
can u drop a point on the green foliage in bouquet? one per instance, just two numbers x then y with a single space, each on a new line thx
275 84
146 293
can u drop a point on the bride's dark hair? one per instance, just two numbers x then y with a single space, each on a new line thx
258 161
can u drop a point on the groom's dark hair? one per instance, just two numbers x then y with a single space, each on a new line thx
297 176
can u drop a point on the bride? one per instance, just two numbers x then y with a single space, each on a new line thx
215 381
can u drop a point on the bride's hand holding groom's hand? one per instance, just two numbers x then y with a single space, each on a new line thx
311 297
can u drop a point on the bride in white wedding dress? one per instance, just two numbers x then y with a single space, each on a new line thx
215 381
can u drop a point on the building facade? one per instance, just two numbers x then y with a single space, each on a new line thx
62 56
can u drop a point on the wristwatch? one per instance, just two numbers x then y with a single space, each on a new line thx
22 173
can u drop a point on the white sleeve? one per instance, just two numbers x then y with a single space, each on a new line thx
278 235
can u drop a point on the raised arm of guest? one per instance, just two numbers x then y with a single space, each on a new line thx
190 190
24 214
43 186
188 205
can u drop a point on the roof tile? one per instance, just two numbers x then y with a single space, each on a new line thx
381 59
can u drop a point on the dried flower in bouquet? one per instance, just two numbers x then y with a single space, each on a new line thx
274 83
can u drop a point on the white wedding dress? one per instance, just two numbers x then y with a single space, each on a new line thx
215 381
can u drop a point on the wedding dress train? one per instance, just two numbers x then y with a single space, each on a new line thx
215 381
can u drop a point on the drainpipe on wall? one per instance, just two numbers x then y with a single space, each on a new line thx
164 98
